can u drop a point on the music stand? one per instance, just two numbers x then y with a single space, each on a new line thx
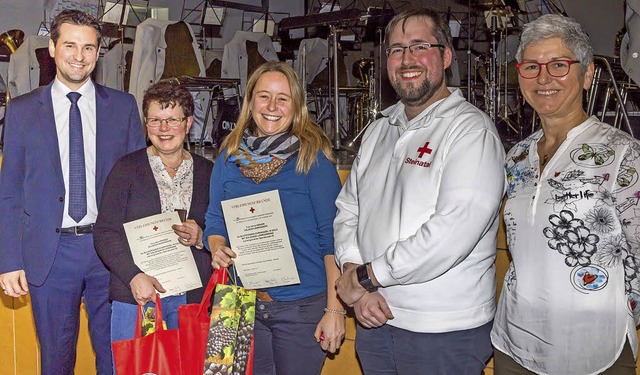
117 12
211 20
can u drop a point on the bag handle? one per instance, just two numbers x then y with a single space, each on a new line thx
158 320
159 325
219 276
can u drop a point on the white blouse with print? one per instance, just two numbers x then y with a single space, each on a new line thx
571 296
175 193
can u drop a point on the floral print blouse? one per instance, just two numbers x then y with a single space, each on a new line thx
174 193
571 295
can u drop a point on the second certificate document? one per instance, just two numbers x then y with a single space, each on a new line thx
258 235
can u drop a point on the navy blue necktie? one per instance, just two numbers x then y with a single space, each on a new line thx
77 174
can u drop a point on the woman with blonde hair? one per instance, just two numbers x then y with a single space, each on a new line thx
276 146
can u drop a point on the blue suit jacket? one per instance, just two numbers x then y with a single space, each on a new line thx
31 183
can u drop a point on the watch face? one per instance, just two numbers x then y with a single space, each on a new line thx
363 278
362 274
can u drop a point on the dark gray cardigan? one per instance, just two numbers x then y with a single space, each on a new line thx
131 193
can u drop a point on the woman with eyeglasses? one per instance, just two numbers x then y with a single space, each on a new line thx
163 177
569 303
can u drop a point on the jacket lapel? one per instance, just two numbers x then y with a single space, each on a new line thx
102 135
49 131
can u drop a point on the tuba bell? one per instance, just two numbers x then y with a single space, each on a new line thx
12 39
361 69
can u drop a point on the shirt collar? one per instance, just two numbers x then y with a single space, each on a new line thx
397 116
574 132
59 89
582 127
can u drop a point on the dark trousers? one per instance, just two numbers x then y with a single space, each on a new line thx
284 341
624 365
390 350
77 273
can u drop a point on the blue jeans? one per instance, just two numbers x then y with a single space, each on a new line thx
124 315
390 350
283 334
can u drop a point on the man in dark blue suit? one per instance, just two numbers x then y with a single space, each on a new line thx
61 141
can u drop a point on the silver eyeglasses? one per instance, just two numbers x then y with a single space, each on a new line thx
555 68
416 49
172 122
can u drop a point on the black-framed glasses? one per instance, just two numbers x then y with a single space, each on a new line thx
416 49
555 68
172 122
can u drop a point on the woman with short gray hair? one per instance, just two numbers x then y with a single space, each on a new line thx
570 299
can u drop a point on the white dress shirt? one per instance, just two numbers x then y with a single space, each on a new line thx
87 105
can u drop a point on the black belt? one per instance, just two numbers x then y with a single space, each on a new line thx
79 230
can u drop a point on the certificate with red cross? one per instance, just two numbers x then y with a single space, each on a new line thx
258 235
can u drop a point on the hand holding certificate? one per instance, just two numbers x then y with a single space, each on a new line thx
258 235
157 252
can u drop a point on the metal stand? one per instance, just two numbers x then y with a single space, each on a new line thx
492 77
504 94
336 94
469 88
621 95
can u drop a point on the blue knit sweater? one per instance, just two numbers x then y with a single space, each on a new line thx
308 204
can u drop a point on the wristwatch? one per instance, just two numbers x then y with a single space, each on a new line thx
363 278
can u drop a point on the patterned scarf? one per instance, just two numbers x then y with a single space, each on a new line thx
262 157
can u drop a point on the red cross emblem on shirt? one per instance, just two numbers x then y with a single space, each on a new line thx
252 210
155 228
424 149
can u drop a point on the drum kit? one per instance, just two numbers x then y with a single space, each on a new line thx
495 74
330 102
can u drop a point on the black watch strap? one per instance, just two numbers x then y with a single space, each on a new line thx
364 279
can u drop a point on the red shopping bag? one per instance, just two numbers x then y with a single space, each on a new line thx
193 323
157 353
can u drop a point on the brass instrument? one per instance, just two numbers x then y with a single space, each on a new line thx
9 43
12 39
361 69
365 108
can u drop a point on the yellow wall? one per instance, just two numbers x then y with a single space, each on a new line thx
19 352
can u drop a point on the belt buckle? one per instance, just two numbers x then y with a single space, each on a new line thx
81 230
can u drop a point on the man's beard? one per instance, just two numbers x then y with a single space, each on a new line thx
417 96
